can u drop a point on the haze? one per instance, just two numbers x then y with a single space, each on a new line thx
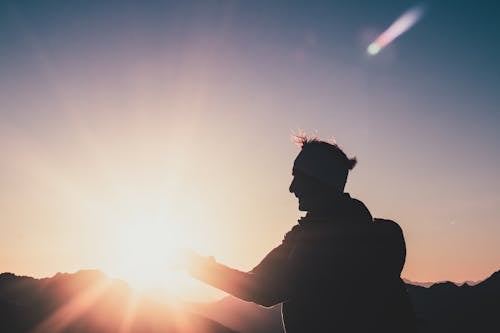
130 130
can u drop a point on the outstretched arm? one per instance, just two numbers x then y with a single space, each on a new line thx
265 285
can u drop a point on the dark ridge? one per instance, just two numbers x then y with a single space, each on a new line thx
93 302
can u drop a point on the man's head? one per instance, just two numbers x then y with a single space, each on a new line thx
320 172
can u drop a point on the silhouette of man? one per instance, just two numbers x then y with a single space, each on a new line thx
337 270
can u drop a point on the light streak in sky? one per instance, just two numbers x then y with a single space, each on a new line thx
397 28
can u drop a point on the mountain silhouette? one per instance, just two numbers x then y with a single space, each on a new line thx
447 307
88 301
440 307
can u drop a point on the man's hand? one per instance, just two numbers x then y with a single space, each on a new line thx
193 262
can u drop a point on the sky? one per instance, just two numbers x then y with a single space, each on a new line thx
129 130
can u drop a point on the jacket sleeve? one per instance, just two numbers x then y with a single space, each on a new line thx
265 284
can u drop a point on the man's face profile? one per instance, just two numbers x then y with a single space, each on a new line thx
308 190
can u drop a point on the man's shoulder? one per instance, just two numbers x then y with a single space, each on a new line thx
358 210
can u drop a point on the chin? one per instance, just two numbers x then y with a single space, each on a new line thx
303 208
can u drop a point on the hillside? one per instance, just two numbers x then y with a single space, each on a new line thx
86 302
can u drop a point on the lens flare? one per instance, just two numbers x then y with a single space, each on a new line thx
400 26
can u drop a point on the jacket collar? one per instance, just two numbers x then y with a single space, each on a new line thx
338 212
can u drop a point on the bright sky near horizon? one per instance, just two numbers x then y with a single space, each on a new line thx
130 130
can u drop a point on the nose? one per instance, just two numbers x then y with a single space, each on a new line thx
292 186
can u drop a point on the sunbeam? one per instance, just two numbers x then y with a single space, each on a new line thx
67 314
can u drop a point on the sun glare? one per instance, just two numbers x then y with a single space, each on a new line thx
404 23
145 231
127 208
147 252
141 237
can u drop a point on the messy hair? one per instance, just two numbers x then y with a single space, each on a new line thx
303 140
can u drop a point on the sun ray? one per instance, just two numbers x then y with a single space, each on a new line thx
129 314
71 311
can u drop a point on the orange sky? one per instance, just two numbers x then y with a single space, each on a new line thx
119 153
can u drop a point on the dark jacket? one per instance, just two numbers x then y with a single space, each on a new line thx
338 272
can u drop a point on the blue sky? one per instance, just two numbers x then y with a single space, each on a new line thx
82 82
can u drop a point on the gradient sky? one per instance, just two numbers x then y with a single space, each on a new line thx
129 129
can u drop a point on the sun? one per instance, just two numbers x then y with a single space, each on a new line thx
148 254
149 258
144 248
